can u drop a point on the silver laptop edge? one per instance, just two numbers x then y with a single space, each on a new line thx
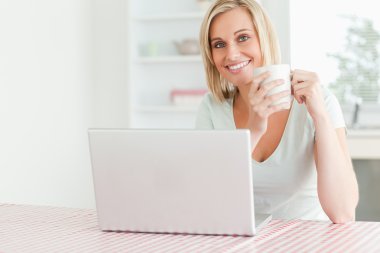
174 181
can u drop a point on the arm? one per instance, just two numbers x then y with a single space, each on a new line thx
260 106
337 185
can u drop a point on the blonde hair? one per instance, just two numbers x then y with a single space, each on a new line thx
270 50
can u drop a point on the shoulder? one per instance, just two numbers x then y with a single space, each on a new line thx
331 101
333 107
327 93
212 113
210 102
209 99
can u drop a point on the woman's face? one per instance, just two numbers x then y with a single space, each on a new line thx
235 46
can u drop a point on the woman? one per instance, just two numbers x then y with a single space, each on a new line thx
301 164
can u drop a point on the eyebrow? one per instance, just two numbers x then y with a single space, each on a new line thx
238 31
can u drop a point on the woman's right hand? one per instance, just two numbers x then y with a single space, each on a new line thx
261 104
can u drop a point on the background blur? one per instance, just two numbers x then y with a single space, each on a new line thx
66 66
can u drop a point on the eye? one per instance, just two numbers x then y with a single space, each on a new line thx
243 37
219 44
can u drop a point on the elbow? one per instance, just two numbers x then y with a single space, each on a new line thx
342 215
345 212
343 218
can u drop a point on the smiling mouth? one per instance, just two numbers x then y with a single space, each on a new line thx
237 67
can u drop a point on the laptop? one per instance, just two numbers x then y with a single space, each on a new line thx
174 181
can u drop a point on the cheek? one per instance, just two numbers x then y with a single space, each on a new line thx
253 49
218 61
258 62
259 59
219 68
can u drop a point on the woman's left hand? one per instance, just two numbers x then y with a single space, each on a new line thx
306 89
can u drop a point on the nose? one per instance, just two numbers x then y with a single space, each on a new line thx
233 52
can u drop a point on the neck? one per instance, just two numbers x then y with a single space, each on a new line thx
241 99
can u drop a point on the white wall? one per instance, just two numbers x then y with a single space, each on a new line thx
110 47
278 12
50 95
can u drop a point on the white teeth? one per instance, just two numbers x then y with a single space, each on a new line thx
238 66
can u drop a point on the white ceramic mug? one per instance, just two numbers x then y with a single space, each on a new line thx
279 71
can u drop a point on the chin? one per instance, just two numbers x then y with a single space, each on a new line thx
240 79
240 82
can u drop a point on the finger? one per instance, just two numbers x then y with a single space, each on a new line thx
291 75
269 100
260 78
300 90
297 97
292 89
259 95
302 85
275 97
302 76
297 79
265 88
254 86
301 73
304 93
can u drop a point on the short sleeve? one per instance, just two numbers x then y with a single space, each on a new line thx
333 108
203 119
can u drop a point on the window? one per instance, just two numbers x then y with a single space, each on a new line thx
340 41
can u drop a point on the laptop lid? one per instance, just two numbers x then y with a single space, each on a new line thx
173 181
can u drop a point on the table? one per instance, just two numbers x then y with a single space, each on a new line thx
26 228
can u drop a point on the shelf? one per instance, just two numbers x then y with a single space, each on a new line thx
364 144
153 59
169 59
166 109
170 17
364 133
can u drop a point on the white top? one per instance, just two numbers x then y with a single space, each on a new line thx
285 184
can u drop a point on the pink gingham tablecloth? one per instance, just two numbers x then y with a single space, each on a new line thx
25 228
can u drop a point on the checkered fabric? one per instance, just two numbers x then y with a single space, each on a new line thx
26 228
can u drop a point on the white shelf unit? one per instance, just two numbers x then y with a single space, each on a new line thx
166 109
170 16
155 66
170 59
